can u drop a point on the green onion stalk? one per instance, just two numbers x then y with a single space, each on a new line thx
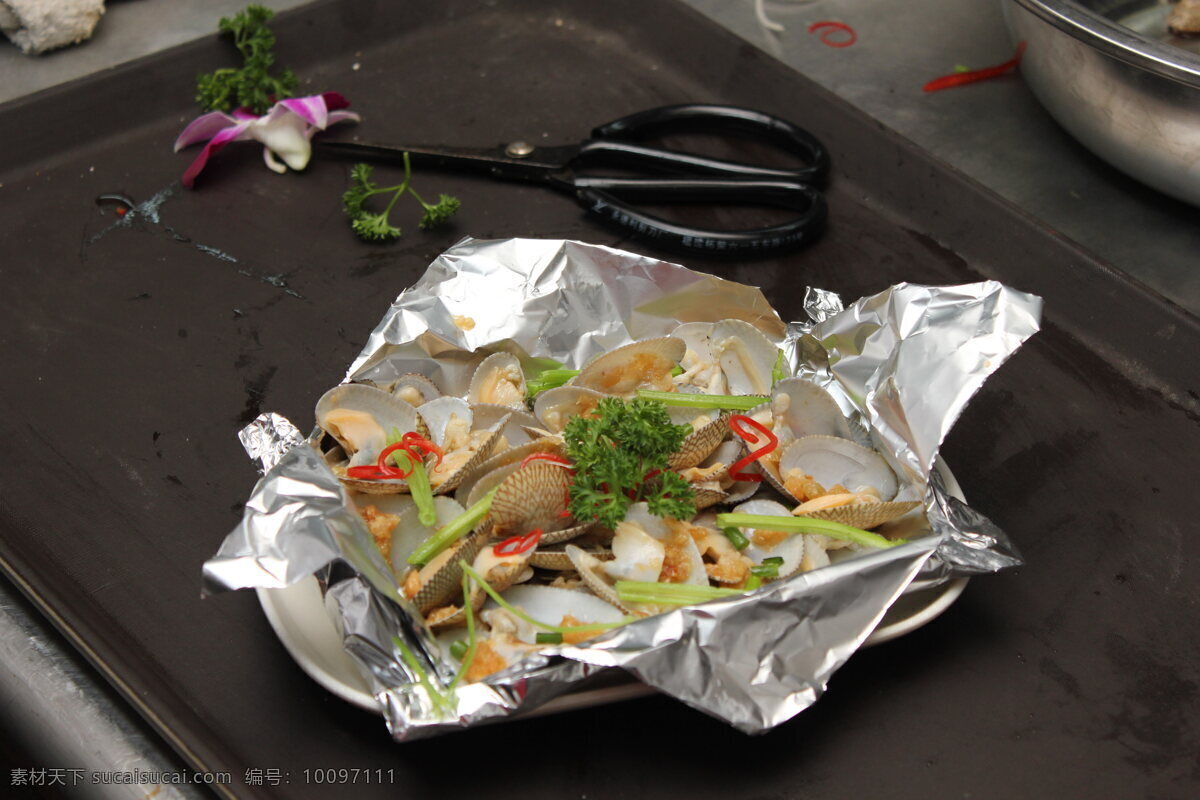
675 594
468 655
548 379
436 695
736 402
834 530
417 480
452 531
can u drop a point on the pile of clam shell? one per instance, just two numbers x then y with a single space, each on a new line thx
823 467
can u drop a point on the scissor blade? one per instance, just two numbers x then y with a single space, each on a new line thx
538 165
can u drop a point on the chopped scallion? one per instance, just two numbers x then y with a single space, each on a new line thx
548 637
753 582
459 649
765 570
736 538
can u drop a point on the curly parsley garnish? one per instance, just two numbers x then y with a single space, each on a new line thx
252 86
620 454
378 226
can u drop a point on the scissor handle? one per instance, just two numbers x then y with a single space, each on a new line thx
598 196
698 117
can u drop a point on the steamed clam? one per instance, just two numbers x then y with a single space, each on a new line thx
645 364
498 380
452 427
727 357
361 418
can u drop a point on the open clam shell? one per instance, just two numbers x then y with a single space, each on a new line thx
701 372
563 529
453 427
832 461
793 548
513 432
723 562
558 561
533 496
683 562
498 380
500 572
360 417
554 408
502 458
552 605
441 578
710 479
598 582
708 431
864 515
415 389
806 409
645 364
409 532
746 356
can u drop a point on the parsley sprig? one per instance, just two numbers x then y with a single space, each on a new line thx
620 454
252 86
378 227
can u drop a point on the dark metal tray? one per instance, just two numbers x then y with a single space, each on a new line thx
133 354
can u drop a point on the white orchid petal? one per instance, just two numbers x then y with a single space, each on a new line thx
272 164
310 109
339 116
203 128
287 136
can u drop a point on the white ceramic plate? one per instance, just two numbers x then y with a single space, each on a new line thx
300 620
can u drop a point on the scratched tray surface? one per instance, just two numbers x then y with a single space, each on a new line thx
134 352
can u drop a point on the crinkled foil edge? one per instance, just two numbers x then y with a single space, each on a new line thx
753 661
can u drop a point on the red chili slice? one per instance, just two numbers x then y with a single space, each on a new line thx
737 424
515 545
828 28
367 472
381 469
415 446
412 440
553 458
972 76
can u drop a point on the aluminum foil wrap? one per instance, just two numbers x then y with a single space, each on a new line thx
903 363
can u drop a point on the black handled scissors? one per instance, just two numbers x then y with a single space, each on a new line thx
680 177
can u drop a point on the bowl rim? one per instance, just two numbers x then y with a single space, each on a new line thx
1115 40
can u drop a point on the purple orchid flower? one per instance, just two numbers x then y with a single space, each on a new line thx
286 131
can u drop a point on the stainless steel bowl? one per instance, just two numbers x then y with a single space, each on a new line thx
1109 72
